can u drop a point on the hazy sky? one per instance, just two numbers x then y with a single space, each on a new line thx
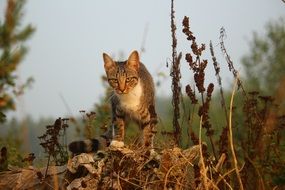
65 56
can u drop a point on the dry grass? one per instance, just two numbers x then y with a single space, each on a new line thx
128 168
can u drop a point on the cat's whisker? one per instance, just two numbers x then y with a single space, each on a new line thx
109 98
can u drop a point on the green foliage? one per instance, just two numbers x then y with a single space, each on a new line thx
265 63
12 141
12 52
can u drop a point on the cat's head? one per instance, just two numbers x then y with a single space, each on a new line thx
122 76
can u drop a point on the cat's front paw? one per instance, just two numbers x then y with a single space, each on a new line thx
117 144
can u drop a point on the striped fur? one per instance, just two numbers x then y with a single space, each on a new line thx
87 146
133 97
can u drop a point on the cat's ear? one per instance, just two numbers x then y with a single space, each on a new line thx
134 60
108 61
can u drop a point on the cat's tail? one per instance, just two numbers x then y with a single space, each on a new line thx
87 145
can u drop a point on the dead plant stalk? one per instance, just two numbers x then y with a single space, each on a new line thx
204 171
231 135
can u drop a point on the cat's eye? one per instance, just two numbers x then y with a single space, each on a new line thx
131 79
113 80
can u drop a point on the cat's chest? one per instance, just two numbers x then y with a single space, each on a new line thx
132 100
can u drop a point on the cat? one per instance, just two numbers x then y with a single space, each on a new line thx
133 97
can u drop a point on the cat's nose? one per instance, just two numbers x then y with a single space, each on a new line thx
119 91
122 91
122 87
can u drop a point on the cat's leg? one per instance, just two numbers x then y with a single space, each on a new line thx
118 130
149 131
148 136
149 127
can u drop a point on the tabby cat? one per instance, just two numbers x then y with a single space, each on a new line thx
132 97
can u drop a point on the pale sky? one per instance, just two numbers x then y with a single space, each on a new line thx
65 56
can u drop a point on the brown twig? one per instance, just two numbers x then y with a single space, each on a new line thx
176 75
219 80
229 61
